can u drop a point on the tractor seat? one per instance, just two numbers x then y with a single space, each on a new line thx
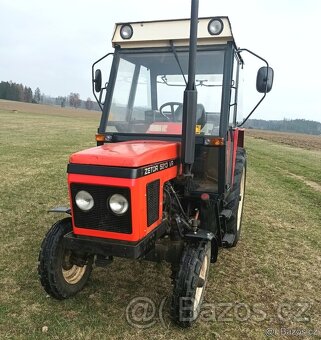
200 114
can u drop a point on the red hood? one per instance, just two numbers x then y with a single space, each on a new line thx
127 154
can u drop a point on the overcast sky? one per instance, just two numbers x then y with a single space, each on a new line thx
52 44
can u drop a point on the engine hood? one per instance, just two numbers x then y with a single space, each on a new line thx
128 154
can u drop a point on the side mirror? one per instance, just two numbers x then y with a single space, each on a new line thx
97 80
264 79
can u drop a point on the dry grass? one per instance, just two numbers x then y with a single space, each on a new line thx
276 264
16 107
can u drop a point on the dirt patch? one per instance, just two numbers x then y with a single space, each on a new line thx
310 184
309 142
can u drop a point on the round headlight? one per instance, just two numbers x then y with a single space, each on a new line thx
126 31
118 204
215 26
84 200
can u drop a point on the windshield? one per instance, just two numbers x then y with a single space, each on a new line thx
149 88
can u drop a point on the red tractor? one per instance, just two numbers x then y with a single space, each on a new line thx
166 180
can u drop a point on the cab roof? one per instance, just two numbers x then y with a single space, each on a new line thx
160 33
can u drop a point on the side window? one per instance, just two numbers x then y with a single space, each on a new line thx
123 83
143 96
234 90
142 101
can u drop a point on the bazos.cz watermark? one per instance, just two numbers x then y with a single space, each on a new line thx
295 332
143 312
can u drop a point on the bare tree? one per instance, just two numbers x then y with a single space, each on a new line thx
89 104
74 100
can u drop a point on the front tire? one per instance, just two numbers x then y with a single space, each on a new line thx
190 283
62 273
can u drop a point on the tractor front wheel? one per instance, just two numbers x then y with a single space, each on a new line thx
62 273
190 283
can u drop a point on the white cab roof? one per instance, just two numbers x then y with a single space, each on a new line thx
160 33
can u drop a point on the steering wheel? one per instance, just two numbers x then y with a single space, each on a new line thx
172 109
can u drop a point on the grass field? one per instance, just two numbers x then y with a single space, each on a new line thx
269 283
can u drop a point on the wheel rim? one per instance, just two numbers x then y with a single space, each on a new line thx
71 272
241 202
200 290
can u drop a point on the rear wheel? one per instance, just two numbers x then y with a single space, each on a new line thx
62 273
190 283
236 198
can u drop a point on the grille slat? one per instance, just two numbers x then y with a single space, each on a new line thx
100 217
152 190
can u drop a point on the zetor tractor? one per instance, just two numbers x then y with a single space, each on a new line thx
166 180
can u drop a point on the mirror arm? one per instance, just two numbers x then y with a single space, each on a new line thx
250 114
93 79
254 54
100 95
261 100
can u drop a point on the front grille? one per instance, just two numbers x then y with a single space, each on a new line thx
152 189
100 217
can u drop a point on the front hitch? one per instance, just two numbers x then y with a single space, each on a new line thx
200 234
65 210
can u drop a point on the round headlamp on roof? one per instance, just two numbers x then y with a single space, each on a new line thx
126 31
215 26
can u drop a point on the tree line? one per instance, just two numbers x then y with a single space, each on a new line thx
18 92
286 125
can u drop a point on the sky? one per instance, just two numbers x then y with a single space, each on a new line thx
52 44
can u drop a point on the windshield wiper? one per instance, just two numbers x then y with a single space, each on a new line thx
202 83
164 81
176 57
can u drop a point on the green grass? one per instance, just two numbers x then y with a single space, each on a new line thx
277 260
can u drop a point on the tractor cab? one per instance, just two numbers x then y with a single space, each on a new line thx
166 181
144 94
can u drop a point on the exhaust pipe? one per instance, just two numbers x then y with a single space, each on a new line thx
190 98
